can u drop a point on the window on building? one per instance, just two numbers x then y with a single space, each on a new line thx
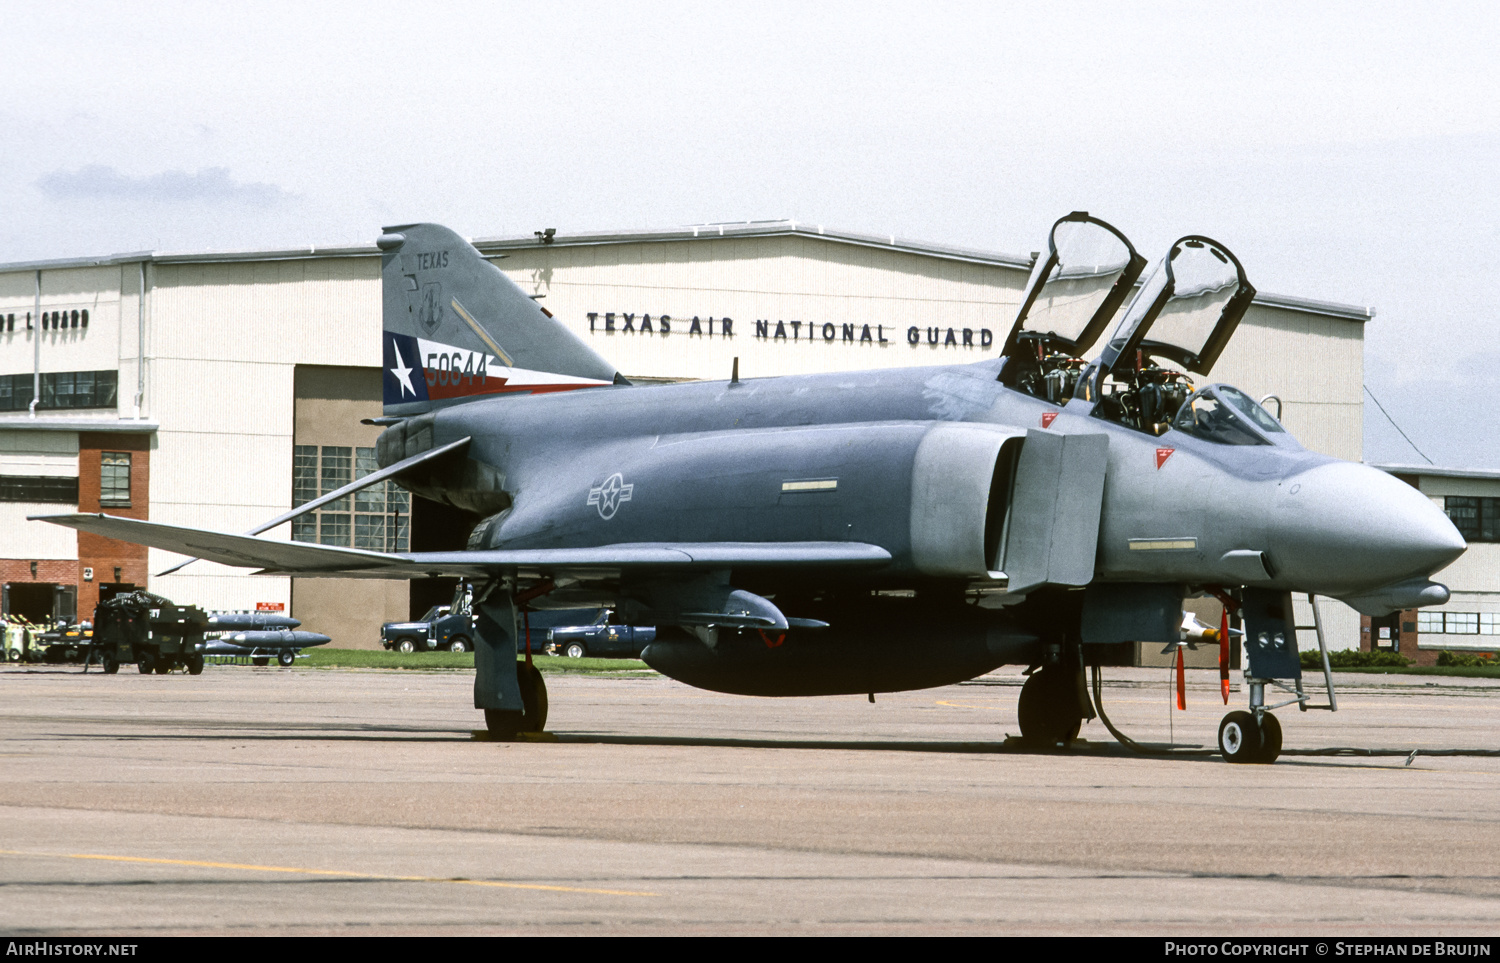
333 528
337 466
60 389
39 488
376 519
1461 623
304 475
114 479
1477 519
1458 623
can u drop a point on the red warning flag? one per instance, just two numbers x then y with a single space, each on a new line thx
1047 418
1181 682
1162 454
1224 654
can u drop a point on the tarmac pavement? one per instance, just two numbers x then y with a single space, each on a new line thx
302 801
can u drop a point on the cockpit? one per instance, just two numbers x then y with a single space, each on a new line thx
1176 326
1227 416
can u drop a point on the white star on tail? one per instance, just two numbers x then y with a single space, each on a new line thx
402 372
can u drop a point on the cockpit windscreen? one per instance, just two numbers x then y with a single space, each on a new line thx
1246 406
1227 416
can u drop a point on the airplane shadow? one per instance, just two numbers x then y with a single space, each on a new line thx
1342 757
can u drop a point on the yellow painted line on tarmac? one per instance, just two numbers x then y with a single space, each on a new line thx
330 872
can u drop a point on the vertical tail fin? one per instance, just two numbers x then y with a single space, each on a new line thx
458 329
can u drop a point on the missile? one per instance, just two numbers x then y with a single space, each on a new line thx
272 639
220 621
1194 631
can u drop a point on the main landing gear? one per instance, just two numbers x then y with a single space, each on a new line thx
507 723
1049 713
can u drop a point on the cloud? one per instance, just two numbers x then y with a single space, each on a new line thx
211 185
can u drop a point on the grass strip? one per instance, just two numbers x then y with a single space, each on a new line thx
1454 671
329 658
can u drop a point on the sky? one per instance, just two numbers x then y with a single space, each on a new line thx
1345 152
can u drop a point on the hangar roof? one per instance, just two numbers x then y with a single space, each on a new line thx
735 229
1488 474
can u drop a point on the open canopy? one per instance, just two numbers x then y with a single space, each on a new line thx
1187 309
1076 289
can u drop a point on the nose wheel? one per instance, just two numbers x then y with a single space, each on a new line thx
1244 738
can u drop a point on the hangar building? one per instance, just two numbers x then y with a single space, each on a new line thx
216 390
1470 621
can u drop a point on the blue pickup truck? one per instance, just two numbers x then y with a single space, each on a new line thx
440 629
600 639
564 632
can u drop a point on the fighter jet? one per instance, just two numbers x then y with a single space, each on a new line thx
870 531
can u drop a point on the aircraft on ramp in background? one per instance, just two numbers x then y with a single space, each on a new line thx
871 531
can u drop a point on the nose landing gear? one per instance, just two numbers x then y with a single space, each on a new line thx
1271 648
1244 738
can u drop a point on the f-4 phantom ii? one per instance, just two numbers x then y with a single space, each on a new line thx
870 531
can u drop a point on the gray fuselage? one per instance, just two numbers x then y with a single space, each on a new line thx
721 462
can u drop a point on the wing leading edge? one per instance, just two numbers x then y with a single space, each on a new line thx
274 557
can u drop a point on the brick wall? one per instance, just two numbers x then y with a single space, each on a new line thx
1403 631
58 571
104 555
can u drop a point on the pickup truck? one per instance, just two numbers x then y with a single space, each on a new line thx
601 639
440 628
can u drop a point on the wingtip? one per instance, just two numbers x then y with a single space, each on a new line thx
64 519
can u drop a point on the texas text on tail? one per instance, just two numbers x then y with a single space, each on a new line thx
872 531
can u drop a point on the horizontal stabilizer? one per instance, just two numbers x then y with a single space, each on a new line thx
724 620
275 557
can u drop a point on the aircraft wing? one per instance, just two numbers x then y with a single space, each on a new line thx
274 557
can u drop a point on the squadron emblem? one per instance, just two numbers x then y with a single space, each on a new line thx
430 313
608 496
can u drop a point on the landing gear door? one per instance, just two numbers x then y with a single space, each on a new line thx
1052 533
1076 289
1187 309
1270 635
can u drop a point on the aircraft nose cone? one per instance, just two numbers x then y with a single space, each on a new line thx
1346 527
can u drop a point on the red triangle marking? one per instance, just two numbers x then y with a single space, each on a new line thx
1047 418
1162 454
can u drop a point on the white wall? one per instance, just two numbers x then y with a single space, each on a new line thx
1313 362
97 348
